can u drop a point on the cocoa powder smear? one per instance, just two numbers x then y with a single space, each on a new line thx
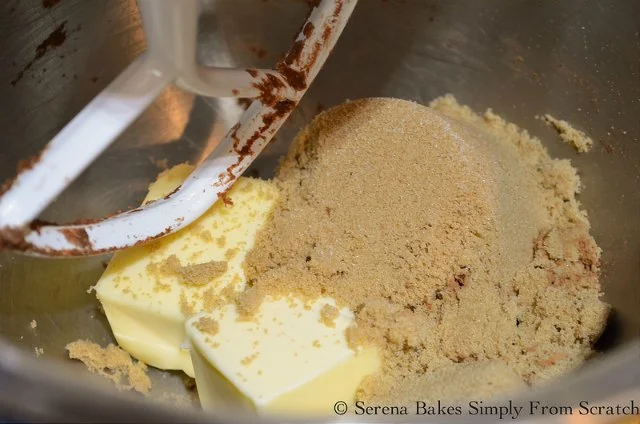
456 240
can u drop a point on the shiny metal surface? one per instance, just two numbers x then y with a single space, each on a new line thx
576 59
170 58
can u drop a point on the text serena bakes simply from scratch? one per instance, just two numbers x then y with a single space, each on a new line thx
508 410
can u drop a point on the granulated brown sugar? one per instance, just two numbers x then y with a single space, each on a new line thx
328 315
453 237
112 363
208 325
186 307
575 138
194 275
200 274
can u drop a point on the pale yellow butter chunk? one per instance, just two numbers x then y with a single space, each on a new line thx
287 359
149 291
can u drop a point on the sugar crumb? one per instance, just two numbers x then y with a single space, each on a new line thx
112 363
231 253
206 236
575 138
211 300
186 307
246 361
328 315
208 325
200 274
161 287
193 275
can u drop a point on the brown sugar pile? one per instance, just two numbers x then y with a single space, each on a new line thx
453 237
112 363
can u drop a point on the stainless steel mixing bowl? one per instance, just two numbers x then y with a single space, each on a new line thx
577 59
